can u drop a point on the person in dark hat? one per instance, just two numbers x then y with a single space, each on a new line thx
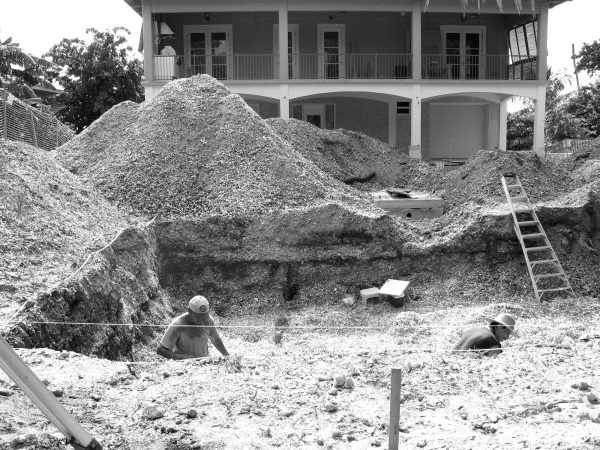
188 334
487 338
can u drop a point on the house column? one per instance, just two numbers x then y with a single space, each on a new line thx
392 131
414 150
415 42
539 120
284 100
503 125
542 50
148 41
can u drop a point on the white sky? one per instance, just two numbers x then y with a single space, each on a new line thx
39 24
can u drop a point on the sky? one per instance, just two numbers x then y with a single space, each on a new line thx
38 24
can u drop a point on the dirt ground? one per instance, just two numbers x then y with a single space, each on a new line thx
522 399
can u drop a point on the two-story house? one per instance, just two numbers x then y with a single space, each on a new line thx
431 76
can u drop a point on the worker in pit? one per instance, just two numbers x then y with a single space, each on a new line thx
188 334
487 338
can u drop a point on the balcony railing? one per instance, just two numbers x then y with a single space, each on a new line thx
478 67
315 66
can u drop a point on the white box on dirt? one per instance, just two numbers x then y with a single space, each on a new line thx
366 294
395 288
393 291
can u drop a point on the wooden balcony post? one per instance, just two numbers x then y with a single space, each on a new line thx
148 39
416 40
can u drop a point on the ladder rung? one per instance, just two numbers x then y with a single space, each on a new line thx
513 186
519 197
528 222
523 210
555 289
533 235
549 275
535 249
544 261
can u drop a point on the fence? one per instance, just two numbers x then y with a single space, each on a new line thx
21 122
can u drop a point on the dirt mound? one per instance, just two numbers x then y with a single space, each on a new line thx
197 149
49 222
478 180
588 151
349 156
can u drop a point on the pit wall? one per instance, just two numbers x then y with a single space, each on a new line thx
313 255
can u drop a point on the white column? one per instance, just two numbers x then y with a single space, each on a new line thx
543 42
415 123
503 125
148 38
539 120
284 101
416 40
392 113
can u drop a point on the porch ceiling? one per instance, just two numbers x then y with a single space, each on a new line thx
491 7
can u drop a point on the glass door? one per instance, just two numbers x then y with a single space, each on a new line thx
207 50
331 51
464 52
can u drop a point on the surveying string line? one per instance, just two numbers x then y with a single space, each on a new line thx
258 327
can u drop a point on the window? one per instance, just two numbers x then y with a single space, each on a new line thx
403 108
522 41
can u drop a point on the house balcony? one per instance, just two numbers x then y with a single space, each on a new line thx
340 67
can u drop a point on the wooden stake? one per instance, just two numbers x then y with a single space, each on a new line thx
394 428
574 58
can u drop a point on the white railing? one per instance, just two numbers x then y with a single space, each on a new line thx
222 67
353 66
313 66
477 67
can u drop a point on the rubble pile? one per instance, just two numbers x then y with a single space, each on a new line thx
349 156
478 181
49 221
197 149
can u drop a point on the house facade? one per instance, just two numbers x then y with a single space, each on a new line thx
431 77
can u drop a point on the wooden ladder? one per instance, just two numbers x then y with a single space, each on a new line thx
547 275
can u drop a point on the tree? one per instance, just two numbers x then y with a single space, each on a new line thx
97 76
562 120
19 70
589 58
585 106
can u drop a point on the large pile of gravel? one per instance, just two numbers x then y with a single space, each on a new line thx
49 221
347 155
478 181
197 149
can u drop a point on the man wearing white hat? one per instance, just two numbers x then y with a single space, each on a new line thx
488 338
187 336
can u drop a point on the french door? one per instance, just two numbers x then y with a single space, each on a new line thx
207 50
464 51
332 51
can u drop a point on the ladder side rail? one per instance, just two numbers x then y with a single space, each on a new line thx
561 271
37 391
518 231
